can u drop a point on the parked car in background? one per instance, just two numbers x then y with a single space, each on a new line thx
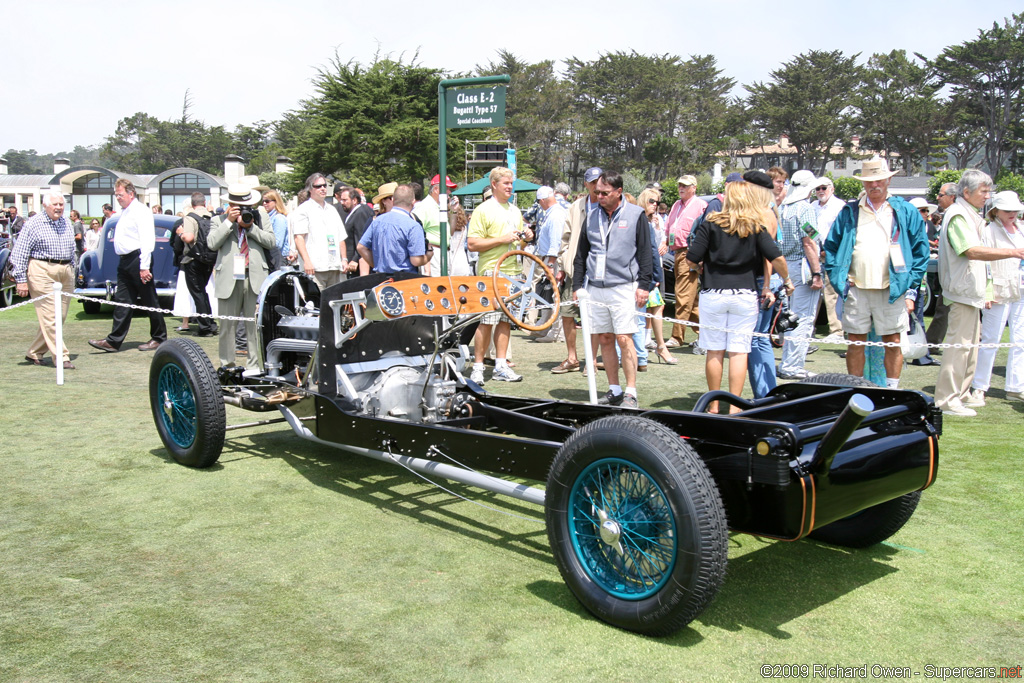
97 269
7 285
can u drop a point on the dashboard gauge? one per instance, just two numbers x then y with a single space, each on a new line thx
445 303
429 304
425 288
485 302
391 301
481 286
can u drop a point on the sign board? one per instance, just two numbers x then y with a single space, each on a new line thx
475 107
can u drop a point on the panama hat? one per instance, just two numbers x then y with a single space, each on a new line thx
922 203
875 169
385 191
242 195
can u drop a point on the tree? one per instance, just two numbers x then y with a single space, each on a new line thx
369 125
537 114
812 100
898 108
989 72
706 118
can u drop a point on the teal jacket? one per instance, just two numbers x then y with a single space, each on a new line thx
912 238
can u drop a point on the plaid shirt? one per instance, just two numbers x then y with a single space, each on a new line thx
792 217
42 239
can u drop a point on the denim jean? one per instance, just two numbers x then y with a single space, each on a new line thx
804 303
761 361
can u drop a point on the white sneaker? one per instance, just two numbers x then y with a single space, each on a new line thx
1015 395
477 376
959 411
506 374
975 399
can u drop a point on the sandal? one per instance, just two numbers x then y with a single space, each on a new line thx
663 355
566 366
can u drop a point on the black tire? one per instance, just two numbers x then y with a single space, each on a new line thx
653 556
187 405
91 307
840 379
7 297
871 526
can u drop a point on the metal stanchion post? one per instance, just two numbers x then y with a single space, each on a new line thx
58 332
588 349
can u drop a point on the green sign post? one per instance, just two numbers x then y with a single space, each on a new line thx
469 105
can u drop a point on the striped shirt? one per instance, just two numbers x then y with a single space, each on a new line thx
42 239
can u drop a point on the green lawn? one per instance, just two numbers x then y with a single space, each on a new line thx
293 562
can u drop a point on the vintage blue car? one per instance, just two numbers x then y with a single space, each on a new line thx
97 269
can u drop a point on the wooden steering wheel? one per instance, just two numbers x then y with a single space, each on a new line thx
523 295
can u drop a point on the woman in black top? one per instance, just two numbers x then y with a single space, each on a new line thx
733 245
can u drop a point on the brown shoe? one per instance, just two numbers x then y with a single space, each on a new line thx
102 345
641 368
151 345
35 361
566 366
68 365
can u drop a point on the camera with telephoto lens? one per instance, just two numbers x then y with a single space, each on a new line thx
785 319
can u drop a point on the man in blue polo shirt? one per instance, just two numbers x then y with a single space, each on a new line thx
395 241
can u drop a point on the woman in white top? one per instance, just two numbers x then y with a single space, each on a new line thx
1004 231
92 235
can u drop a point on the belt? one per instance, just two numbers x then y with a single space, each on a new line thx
58 261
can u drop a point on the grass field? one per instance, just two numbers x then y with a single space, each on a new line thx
293 562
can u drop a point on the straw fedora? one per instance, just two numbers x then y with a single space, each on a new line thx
242 195
875 169
384 191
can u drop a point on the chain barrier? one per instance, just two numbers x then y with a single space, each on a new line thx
27 302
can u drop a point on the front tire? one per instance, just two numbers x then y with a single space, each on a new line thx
91 307
870 526
187 405
636 524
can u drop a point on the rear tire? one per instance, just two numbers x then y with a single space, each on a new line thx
187 405
871 526
636 524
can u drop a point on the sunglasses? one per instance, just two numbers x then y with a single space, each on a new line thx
652 201
820 188
320 186
605 194
269 201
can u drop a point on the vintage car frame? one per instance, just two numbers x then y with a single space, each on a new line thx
96 275
638 502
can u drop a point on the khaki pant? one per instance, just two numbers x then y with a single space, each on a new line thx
687 292
830 297
241 303
958 365
41 276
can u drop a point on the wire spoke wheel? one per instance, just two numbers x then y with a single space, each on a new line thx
185 397
636 524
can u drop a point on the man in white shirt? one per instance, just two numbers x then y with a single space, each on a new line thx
134 242
320 235
827 207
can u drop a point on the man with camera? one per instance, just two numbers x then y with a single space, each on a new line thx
242 245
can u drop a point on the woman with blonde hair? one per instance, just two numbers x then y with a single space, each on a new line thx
278 212
648 201
733 245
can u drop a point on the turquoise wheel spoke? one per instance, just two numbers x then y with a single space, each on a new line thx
174 389
633 556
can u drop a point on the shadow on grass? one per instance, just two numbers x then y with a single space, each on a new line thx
386 487
767 587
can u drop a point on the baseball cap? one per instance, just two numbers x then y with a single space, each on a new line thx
592 174
686 180
544 192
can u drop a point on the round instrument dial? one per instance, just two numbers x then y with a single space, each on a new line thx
391 301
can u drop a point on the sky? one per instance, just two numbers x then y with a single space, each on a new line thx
72 69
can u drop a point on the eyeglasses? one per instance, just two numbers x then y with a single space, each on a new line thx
605 194
820 188
268 201
320 186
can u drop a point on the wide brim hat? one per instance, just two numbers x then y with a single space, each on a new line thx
384 191
921 203
800 186
874 169
243 195
1006 201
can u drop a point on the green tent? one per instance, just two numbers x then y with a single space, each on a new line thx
478 187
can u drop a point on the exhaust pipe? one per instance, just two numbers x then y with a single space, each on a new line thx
859 407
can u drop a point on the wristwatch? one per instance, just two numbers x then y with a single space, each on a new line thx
818 274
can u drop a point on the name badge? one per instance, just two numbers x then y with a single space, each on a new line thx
239 267
332 246
599 268
896 258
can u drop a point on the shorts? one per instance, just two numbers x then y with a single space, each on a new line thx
864 306
727 320
614 309
569 308
496 317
